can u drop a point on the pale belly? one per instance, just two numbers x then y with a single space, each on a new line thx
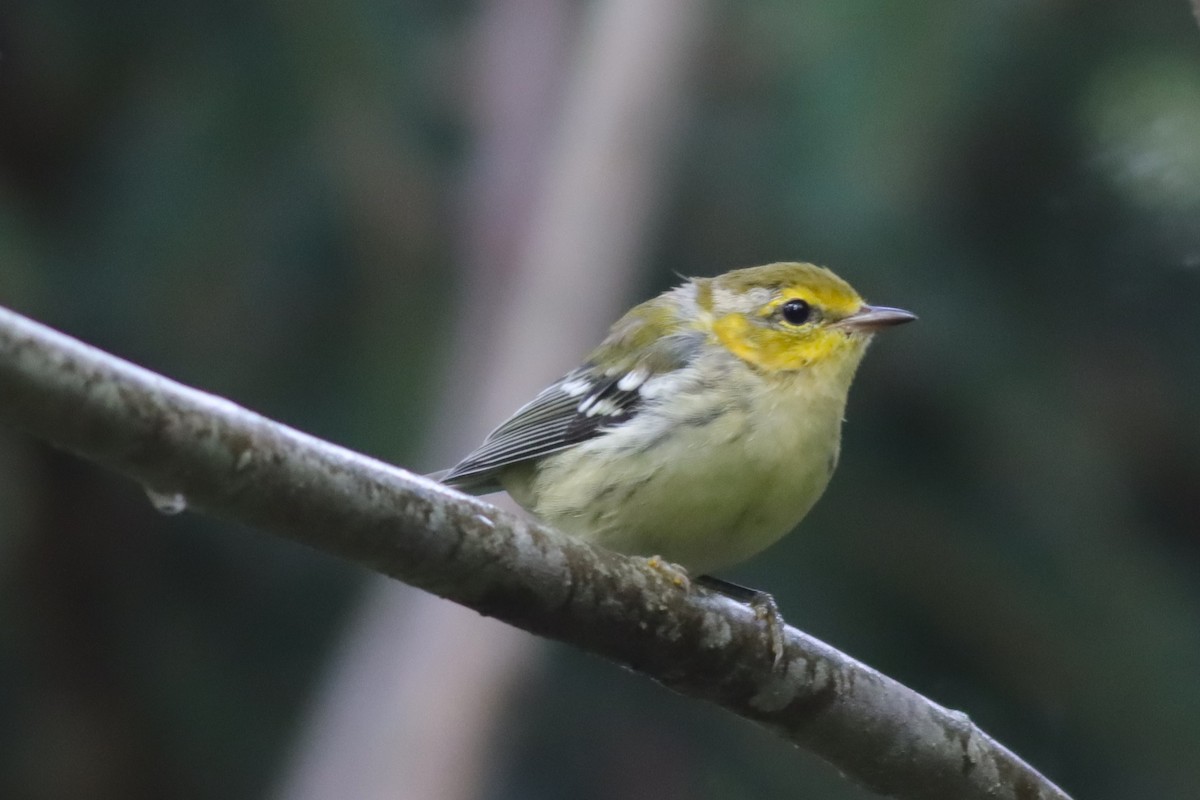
705 496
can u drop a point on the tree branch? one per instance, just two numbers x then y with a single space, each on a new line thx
237 465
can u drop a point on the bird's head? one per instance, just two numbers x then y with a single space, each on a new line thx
789 316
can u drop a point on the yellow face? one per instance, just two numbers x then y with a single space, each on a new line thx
786 316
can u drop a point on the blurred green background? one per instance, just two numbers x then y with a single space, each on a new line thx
272 201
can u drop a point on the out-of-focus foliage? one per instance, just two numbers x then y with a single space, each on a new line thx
264 199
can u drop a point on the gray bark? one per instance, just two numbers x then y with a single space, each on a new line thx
223 460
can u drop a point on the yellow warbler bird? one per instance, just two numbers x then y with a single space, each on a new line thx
702 429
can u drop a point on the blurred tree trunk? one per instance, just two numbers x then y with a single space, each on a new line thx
558 208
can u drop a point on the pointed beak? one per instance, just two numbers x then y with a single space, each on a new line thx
869 319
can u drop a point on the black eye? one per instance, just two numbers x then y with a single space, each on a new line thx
796 312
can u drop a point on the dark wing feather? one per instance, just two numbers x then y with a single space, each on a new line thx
554 420
581 405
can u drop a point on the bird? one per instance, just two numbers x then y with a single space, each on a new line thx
704 426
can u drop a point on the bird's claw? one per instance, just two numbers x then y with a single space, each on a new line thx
764 607
673 572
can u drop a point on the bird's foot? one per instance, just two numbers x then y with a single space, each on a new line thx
764 607
673 572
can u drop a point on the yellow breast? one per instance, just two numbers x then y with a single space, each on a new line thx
706 480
